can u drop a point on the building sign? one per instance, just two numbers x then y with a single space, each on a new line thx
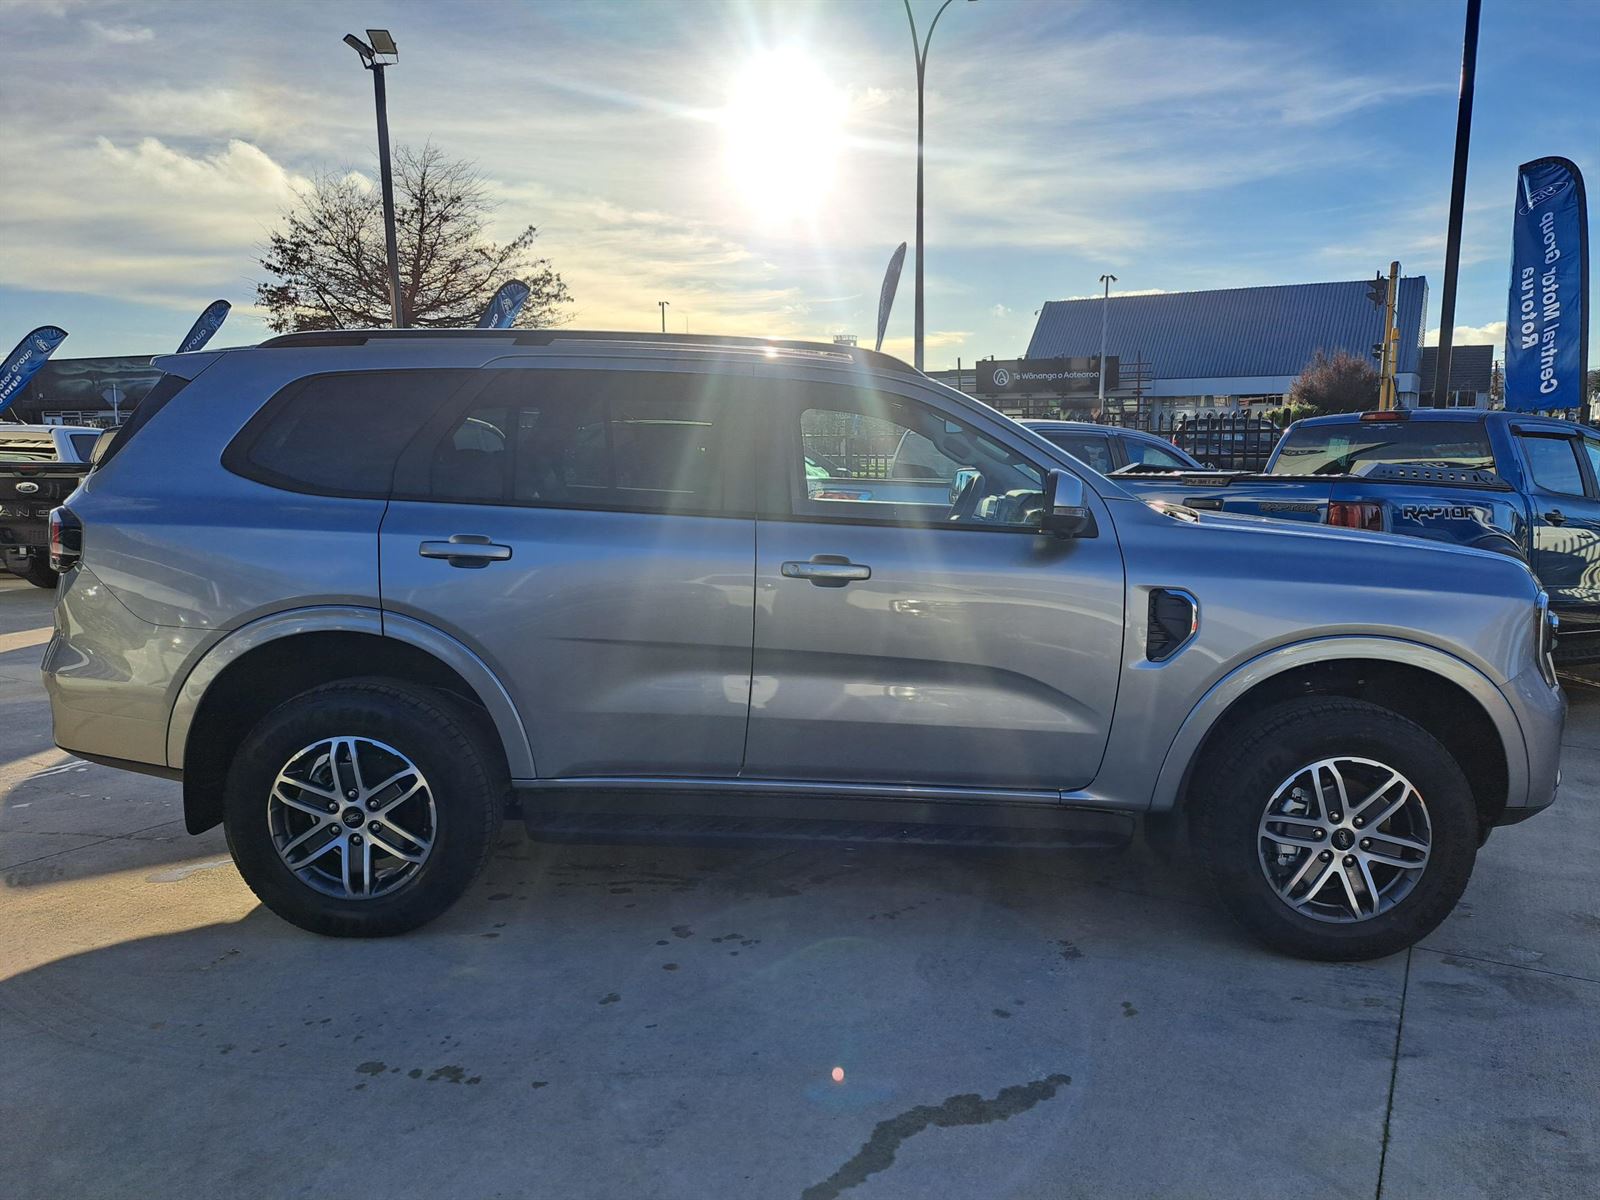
1047 376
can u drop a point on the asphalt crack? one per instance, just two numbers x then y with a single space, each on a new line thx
968 1108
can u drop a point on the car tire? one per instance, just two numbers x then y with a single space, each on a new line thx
1246 782
443 809
39 572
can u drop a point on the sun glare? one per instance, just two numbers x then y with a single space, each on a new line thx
783 125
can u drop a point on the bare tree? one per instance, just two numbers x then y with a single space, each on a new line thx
329 268
1340 383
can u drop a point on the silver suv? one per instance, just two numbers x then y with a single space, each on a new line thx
358 590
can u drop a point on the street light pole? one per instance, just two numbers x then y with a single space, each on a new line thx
921 52
663 305
1458 190
1105 308
380 53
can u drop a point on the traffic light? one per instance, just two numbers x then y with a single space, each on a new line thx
1378 291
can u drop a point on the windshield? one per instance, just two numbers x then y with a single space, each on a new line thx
1340 449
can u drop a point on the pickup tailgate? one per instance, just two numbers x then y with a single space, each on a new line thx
28 491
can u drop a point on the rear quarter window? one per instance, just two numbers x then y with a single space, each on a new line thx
340 434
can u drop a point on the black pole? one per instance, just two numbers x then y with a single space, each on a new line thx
1458 196
396 307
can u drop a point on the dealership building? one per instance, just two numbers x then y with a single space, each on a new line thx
84 391
1199 351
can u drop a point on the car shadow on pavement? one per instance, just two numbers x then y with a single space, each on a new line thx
611 1020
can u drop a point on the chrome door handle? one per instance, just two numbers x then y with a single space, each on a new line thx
826 570
465 550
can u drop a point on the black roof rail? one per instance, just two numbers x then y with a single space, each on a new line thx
545 337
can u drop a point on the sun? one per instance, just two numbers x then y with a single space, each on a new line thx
783 126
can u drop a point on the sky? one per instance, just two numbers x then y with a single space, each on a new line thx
753 164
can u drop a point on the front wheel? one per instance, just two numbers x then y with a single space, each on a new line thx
364 808
1336 829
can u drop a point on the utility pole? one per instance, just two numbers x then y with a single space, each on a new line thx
1458 192
1391 343
1105 307
663 305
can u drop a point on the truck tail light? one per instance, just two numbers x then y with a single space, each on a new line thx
1355 514
66 539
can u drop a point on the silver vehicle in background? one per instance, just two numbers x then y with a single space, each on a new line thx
358 590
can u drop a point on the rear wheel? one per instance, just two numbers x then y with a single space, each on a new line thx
1336 829
364 808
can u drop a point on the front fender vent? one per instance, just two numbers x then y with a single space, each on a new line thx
1173 620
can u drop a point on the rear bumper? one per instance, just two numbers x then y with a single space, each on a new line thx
1541 711
108 674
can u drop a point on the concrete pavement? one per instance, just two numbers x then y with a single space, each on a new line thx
607 1022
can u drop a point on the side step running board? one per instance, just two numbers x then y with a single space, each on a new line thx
1079 829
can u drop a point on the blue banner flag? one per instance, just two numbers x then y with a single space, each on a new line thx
503 309
27 358
1547 330
891 280
208 323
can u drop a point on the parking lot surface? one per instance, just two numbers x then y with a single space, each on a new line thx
778 1021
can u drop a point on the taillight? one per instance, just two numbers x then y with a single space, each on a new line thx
1355 514
66 539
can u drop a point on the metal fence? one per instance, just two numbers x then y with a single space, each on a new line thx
1231 441
852 456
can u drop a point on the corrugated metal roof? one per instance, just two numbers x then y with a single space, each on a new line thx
1470 368
1232 332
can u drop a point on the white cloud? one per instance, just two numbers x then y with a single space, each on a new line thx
119 35
1000 310
144 221
1492 334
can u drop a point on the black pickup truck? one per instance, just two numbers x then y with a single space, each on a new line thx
40 466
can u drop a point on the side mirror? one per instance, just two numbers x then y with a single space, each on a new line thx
1065 512
963 478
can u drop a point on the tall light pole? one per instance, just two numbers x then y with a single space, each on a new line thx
921 52
1458 191
1105 310
378 52
663 305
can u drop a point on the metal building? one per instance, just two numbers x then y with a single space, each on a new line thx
1195 351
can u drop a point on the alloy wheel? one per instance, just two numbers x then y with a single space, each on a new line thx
1343 840
343 835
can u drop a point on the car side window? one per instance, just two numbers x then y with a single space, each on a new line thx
1149 455
340 434
1091 449
623 440
1591 448
869 457
1553 463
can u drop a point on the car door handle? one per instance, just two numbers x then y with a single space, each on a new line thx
466 550
1556 517
826 570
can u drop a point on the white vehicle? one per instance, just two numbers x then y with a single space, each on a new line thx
40 466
